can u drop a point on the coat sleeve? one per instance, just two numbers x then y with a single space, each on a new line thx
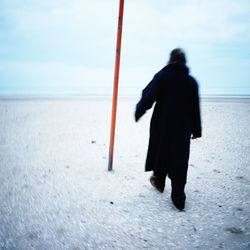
196 117
149 96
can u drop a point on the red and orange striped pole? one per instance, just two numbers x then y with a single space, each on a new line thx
115 89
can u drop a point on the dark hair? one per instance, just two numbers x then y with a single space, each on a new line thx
177 55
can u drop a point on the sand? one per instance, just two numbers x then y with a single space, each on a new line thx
56 192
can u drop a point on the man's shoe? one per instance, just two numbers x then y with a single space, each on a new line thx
152 181
179 202
178 195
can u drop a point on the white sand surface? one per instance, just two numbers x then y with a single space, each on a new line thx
56 192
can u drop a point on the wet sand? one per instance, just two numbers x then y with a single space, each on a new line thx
56 192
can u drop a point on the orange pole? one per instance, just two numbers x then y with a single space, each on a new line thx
115 89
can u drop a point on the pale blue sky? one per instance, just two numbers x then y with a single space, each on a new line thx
68 46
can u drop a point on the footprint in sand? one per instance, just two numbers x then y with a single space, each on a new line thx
235 230
60 232
239 209
32 236
217 171
243 180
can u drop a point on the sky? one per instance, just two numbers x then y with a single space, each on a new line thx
68 46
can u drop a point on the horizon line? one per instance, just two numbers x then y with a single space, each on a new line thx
62 95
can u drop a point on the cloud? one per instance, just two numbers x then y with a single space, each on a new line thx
185 22
76 31
71 44
73 19
72 78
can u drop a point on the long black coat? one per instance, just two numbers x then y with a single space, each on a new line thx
175 118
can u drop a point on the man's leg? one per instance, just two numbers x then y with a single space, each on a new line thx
158 180
178 195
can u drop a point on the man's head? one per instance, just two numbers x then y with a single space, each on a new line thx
177 55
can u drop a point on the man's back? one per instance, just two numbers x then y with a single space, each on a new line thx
177 98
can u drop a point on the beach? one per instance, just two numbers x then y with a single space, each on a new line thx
56 192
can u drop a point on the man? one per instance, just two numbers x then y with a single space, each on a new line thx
176 119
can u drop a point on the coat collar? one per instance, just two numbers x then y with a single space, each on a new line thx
177 66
